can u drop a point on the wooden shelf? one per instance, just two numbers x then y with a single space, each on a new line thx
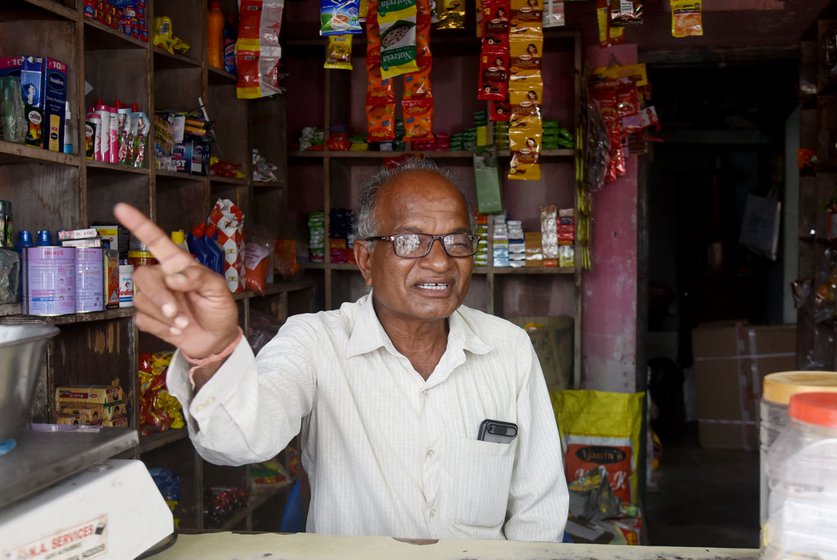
115 167
165 59
463 154
11 153
273 289
268 184
41 9
378 155
178 175
219 76
98 37
73 319
227 180
154 441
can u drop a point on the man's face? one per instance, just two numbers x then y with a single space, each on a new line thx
429 288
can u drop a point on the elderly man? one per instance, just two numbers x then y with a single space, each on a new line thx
389 391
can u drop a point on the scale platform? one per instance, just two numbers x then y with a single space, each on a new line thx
46 454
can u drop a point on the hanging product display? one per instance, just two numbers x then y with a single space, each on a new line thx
625 12
417 104
608 34
397 23
339 52
553 14
494 53
257 48
380 95
525 90
338 17
451 14
686 18
621 94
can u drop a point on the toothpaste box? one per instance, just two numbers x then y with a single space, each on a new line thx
55 97
92 394
31 90
111 278
77 233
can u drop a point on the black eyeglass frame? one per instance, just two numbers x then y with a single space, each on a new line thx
474 238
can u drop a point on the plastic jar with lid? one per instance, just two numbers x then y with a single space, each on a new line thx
140 257
802 476
777 391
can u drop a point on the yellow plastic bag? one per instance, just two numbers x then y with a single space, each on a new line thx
601 429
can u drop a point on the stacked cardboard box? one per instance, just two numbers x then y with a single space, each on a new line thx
730 361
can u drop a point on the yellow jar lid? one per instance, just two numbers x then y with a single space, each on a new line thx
778 387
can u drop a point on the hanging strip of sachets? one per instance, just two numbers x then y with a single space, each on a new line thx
380 96
525 89
417 103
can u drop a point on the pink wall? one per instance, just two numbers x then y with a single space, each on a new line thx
610 297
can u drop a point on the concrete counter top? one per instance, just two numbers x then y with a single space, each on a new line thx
303 546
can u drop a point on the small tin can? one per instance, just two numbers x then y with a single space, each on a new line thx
89 280
44 238
50 281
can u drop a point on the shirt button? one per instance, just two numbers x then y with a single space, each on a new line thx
426 394
433 512
431 453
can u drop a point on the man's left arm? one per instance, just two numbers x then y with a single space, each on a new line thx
538 499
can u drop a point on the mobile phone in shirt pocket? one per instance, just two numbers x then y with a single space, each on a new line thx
497 431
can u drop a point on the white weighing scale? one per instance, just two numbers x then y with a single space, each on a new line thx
63 498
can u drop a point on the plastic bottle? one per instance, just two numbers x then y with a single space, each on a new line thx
69 129
178 237
802 476
229 44
215 35
215 250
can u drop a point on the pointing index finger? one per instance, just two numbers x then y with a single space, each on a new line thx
171 257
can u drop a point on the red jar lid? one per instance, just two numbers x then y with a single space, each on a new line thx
814 408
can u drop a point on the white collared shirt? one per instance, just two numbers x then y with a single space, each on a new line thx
386 452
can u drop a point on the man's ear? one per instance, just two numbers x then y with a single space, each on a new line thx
363 257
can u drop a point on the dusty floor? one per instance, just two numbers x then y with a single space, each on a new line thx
704 497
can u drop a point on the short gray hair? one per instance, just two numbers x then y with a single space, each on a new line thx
365 223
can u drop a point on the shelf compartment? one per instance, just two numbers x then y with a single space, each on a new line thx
181 202
98 36
43 195
38 9
118 74
108 184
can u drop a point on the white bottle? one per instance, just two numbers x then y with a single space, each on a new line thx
69 129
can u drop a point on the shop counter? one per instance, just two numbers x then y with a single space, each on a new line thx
304 546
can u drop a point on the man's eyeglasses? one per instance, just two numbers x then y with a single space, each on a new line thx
417 245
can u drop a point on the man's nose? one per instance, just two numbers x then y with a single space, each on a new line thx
437 256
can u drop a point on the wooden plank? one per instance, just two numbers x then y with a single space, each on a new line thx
44 196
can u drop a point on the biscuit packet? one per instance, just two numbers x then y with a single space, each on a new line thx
686 18
397 22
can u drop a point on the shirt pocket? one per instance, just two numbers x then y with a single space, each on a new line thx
480 481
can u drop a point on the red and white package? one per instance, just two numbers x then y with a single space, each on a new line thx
228 219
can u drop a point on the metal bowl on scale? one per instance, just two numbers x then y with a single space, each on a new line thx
21 358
